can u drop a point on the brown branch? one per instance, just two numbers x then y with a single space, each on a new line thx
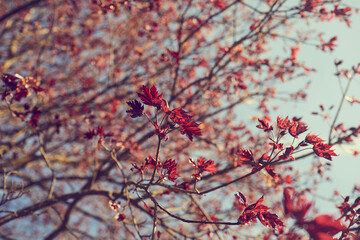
49 202
19 9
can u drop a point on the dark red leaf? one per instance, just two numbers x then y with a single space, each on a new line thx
190 129
136 108
264 125
150 96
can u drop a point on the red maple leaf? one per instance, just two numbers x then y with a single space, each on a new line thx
323 227
283 123
150 96
34 117
313 139
278 146
174 55
206 165
190 129
287 153
324 150
136 108
219 4
264 125
170 167
295 204
202 166
179 116
245 155
90 134
297 128
257 211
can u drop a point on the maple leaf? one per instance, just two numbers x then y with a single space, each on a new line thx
323 227
150 162
297 128
170 166
324 150
276 145
100 130
219 4
206 165
264 125
295 204
271 172
313 139
150 96
179 116
270 220
90 134
190 129
257 211
34 117
136 108
202 166
174 55
165 106
287 154
283 123
245 155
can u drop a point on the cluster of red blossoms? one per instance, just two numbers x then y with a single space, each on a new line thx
18 87
295 127
180 118
278 152
99 131
15 89
249 213
166 170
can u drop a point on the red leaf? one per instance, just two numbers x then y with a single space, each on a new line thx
287 153
257 210
190 129
313 139
136 108
90 134
295 204
120 217
264 125
206 165
174 55
170 166
324 150
150 96
219 4
246 155
297 128
179 116
283 123
34 117
324 227
241 197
